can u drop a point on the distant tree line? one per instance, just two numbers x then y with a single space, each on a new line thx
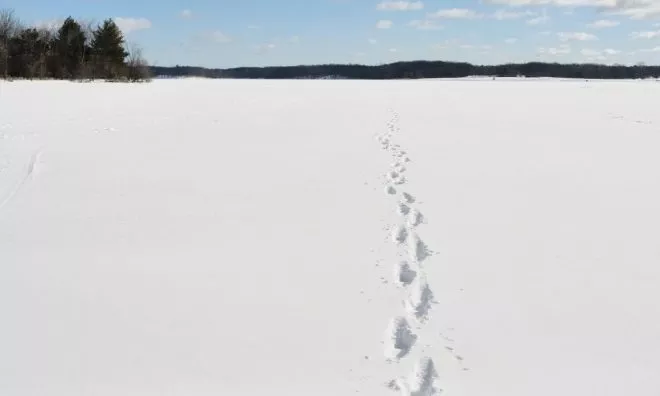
419 69
70 51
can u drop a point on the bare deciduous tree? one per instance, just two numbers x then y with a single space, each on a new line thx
88 71
137 65
46 36
8 26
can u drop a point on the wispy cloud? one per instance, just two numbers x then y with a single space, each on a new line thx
186 14
563 49
598 55
400 6
219 37
128 25
264 48
645 35
384 24
603 23
576 36
425 24
504 14
456 13
539 20
51 24
633 9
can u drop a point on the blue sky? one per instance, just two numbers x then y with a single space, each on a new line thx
222 33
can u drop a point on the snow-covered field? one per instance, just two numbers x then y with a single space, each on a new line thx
195 237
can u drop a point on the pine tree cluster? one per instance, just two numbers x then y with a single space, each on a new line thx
72 51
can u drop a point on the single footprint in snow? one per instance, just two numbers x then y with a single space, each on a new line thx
403 209
400 339
420 299
408 198
403 274
421 382
393 175
399 180
417 249
390 190
399 234
415 218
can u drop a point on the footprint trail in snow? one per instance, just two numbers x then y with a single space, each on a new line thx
409 276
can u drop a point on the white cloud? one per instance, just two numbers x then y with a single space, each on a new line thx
590 52
511 40
51 24
563 49
128 25
294 39
446 44
400 5
425 24
639 11
539 20
393 50
372 41
263 48
576 36
598 55
220 37
507 14
456 13
654 49
384 24
645 35
559 3
603 23
634 9
187 14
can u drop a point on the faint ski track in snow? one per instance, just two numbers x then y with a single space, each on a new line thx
32 169
417 305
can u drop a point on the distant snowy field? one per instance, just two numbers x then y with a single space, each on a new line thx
243 238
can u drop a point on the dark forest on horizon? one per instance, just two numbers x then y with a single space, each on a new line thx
417 70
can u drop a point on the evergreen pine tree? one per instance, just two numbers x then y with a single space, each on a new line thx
70 47
108 51
25 53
